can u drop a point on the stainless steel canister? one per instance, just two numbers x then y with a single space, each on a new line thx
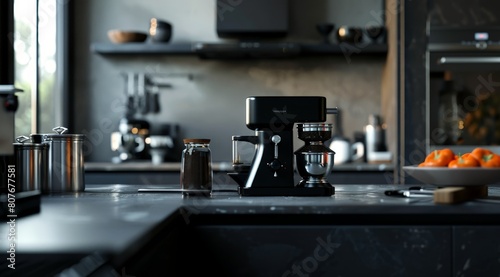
66 162
31 164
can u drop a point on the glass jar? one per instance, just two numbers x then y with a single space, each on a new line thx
196 168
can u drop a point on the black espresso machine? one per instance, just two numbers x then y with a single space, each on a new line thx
271 171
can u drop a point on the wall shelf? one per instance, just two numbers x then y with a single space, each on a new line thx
135 48
344 48
238 50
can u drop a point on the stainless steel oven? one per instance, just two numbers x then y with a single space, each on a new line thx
463 81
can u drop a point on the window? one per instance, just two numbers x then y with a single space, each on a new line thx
38 54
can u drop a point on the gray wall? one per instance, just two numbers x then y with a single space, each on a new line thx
212 104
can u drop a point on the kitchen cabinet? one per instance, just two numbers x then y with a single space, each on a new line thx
470 250
297 250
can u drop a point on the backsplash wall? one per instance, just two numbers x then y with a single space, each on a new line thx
212 104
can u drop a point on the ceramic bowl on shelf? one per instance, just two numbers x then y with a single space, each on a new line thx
121 36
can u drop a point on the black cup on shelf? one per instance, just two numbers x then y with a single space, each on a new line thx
374 32
325 30
160 31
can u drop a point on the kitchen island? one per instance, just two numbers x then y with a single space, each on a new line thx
112 230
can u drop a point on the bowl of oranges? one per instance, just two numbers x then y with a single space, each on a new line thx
445 168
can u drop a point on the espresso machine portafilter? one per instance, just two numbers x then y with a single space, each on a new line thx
271 171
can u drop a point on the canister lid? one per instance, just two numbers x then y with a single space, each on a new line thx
196 140
24 142
59 135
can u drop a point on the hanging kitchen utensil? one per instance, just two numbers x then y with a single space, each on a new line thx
153 87
155 99
142 97
130 93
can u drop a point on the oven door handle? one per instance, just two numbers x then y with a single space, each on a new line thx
466 60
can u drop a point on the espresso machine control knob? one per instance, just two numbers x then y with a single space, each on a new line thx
275 165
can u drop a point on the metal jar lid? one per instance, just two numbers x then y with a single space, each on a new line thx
60 136
24 142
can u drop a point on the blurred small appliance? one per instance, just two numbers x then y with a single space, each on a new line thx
162 142
10 104
271 171
375 141
137 139
130 140
345 151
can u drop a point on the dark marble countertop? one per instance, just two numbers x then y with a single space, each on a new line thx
110 218
217 166
146 166
112 223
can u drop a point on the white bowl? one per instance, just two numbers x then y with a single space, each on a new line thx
445 176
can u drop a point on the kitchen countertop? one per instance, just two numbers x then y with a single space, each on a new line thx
217 166
146 166
116 219
66 219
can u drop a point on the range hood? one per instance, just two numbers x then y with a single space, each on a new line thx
253 19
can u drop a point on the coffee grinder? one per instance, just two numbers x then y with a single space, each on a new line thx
271 171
